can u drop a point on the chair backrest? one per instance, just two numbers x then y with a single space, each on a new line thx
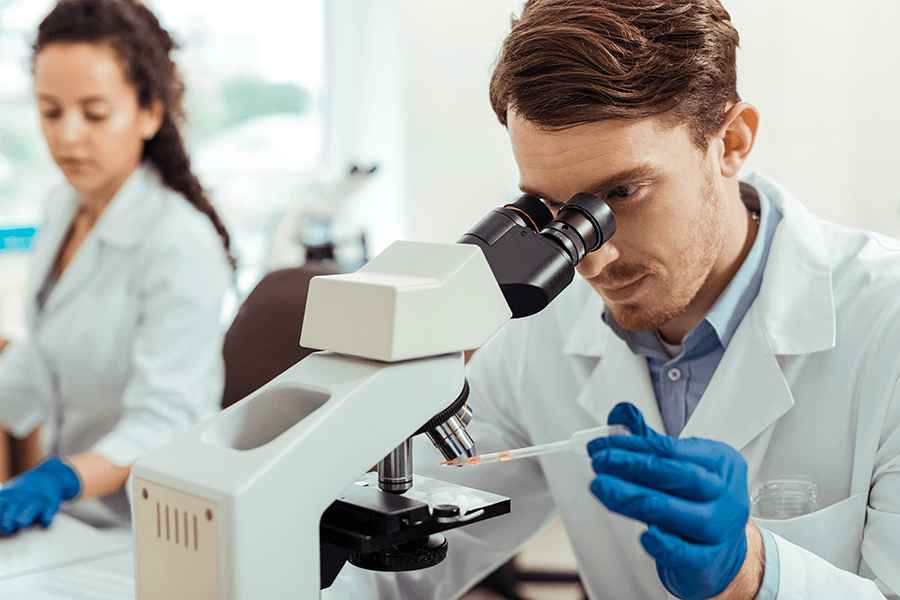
264 338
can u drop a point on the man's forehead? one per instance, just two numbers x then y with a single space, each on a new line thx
594 157
614 142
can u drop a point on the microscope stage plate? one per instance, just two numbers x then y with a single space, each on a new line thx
366 519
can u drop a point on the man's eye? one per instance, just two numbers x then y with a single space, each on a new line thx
622 191
552 205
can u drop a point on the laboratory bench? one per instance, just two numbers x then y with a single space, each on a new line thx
67 561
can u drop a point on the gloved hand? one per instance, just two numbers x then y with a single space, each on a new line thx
691 492
35 496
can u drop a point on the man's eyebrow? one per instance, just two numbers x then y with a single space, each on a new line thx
601 188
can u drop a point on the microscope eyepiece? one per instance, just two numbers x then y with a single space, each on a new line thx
536 214
532 255
582 225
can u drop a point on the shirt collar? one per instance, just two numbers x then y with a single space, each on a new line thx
722 320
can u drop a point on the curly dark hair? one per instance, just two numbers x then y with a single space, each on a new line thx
572 62
144 47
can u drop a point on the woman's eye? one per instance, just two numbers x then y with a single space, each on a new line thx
94 117
50 114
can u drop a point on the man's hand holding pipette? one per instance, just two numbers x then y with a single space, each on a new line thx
691 492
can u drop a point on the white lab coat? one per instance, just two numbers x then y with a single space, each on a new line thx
127 352
808 385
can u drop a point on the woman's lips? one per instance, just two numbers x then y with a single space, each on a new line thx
73 164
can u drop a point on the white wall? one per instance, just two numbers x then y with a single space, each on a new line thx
460 161
411 93
825 75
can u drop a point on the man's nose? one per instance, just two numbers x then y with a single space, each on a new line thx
597 260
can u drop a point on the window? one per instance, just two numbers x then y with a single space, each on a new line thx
255 132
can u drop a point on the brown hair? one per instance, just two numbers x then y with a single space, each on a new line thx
143 46
571 62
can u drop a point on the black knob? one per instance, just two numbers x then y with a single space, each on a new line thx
445 513
418 554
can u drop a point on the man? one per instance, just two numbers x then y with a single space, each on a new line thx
751 340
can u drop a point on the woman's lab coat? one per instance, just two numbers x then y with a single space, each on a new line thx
127 351
808 385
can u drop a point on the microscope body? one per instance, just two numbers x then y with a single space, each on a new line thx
242 506
233 508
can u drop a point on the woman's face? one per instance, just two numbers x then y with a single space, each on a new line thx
90 116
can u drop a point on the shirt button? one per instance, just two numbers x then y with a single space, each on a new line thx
674 374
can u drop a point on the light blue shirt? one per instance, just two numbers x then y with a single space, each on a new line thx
680 374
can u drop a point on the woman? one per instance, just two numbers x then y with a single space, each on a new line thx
130 270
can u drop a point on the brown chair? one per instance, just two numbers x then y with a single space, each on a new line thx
264 338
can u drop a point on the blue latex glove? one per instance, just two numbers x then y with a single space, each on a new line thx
691 492
35 496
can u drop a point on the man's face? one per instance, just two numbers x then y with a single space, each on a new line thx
667 254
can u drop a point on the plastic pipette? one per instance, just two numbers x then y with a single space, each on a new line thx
577 443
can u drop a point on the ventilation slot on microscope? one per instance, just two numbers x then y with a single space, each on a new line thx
176 524
179 526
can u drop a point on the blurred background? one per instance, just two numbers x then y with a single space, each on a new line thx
283 100
355 123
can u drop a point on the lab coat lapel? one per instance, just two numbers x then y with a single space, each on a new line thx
83 264
619 375
792 314
123 224
59 211
747 393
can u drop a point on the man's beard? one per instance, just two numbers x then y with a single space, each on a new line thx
692 271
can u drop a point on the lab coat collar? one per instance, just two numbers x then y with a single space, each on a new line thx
793 314
129 217
796 300
124 224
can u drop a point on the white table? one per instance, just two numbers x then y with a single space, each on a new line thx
68 561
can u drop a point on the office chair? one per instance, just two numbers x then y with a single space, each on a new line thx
264 338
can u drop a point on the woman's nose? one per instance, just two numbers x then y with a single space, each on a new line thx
72 127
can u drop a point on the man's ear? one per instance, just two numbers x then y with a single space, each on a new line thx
738 133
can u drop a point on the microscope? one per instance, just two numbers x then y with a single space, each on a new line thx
266 500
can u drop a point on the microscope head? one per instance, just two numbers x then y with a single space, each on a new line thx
532 255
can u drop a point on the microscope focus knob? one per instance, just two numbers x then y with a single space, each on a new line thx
445 513
417 554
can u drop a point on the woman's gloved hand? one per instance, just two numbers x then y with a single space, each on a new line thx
35 496
691 492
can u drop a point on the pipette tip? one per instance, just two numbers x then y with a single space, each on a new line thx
461 461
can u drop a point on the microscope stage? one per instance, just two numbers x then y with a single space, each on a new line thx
366 519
